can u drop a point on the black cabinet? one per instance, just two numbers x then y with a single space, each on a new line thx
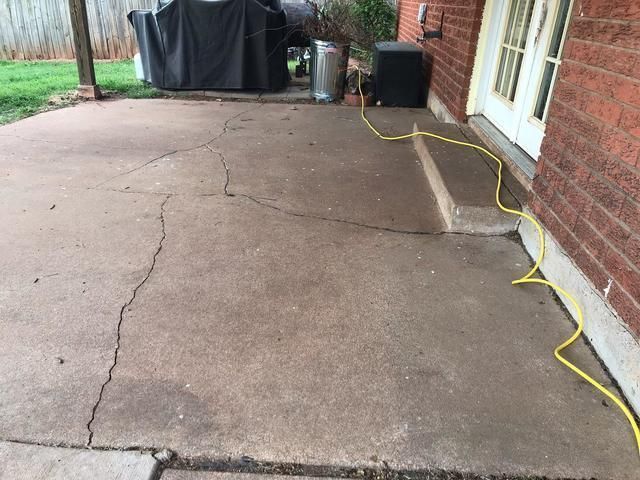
397 67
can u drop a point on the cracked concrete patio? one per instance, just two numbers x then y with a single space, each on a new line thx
229 279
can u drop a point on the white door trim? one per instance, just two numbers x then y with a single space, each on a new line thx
507 113
514 118
477 74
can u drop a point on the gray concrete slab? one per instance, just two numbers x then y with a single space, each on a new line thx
70 261
265 324
157 125
326 343
34 462
198 172
322 161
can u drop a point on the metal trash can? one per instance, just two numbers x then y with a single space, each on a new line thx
328 69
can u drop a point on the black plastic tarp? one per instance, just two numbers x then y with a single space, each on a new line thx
213 44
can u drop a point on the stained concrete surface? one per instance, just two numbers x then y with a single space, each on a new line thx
290 320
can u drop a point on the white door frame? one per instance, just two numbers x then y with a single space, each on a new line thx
505 114
478 76
528 132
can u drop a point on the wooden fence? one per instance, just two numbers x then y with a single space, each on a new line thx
41 29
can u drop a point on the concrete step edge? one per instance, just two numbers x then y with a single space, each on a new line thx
462 218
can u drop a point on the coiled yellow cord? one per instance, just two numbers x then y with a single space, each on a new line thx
527 278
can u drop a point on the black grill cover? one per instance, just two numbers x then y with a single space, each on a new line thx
213 44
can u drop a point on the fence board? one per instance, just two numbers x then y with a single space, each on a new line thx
41 29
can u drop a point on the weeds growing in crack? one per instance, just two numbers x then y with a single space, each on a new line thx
121 319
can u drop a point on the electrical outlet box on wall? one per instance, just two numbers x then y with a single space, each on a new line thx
422 13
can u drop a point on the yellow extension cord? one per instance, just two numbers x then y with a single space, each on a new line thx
527 278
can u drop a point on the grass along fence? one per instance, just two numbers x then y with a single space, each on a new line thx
41 29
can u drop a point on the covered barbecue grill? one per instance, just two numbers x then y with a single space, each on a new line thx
214 44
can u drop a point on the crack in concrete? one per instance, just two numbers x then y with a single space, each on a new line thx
35 443
121 319
142 165
257 200
140 192
84 446
364 225
225 129
226 170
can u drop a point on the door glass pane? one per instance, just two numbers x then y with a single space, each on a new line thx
516 73
519 23
552 60
559 27
545 88
500 76
527 22
512 48
508 31
506 85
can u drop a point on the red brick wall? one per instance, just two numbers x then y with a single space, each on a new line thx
448 61
587 188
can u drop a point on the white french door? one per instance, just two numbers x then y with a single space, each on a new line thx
520 67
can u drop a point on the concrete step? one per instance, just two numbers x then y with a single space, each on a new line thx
464 185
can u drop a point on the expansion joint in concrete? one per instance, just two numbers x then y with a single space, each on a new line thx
382 472
123 309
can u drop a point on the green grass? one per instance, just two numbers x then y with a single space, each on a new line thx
25 87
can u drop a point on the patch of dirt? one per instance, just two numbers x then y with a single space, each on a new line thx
63 100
